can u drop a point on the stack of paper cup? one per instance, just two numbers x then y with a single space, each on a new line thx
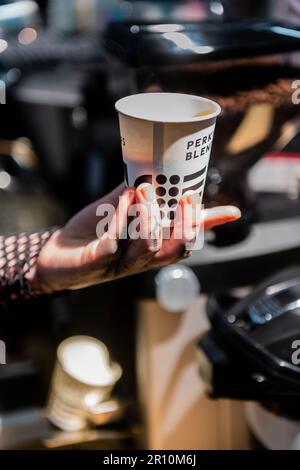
83 378
167 140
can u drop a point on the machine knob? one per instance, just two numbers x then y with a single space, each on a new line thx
177 287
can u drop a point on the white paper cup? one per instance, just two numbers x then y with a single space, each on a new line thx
83 378
167 142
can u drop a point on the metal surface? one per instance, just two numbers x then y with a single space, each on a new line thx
154 44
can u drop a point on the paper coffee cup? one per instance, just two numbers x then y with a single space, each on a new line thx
167 140
83 378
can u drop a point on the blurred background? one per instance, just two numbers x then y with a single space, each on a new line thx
187 383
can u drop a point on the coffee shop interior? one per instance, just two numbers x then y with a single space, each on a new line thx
204 354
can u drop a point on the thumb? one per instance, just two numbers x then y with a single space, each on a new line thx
220 216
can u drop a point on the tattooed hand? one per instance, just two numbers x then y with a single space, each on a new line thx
75 257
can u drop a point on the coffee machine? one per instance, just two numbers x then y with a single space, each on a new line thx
251 353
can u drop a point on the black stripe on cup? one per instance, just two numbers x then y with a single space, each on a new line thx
126 174
194 188
195 175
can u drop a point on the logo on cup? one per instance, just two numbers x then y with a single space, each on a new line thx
170 189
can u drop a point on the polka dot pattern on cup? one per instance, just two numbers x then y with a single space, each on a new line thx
168 195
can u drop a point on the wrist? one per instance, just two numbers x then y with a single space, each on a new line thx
19 276
37 282
38 277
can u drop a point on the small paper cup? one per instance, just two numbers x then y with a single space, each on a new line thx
78 385
167 140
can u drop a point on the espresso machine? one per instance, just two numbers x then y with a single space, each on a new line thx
251 353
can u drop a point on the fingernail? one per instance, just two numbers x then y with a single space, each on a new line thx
147 192
226 212
192 201
187 254
155 245
156 229
131 195
192 198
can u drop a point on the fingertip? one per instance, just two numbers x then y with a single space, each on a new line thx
224 212
146 193
233 211
129 190
130 193
221 216
191 198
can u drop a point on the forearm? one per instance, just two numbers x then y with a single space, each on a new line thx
18 258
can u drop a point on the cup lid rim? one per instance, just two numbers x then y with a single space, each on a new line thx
120 109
